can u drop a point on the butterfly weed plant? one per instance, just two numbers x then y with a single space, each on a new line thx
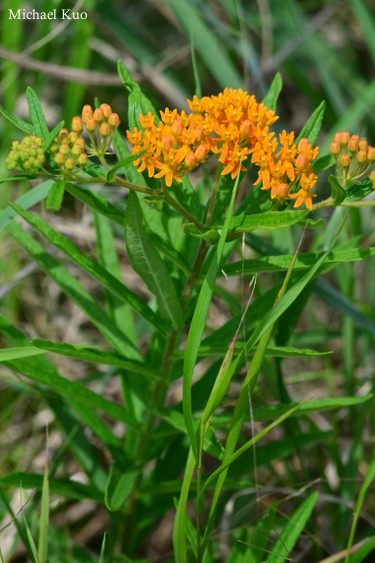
203 189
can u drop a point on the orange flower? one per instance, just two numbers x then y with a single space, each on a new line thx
303 195
233 127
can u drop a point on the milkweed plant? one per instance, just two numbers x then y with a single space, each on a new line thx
198 193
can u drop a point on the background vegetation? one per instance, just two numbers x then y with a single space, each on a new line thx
324 50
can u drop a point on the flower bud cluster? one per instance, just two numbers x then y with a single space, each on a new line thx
354 157
27 155
101 125
68 151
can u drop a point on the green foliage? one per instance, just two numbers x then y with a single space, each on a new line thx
167 383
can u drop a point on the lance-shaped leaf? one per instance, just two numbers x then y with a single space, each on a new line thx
148 264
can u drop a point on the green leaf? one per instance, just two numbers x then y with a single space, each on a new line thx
44 519
288 537
272 220
31 542
118 310
74 391
304 261
102 550
329 403
124 75
96 356
19 178
19 123
313 125
211 236
198 324
120 482
370 476
323 163
55 196
234 456
338 193
52 135
95 171
273 93
361 552
359 190
27 200
285 302
17 524
148 264
23 352
179 528
90 266
36 114
137 102
70 285
63 487
96 202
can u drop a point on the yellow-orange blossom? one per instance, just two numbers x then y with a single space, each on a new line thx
234 127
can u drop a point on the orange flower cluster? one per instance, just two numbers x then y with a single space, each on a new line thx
237 123
235 128
172 148
287 168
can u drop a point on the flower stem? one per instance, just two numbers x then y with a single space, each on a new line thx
321 204
215 190
173 203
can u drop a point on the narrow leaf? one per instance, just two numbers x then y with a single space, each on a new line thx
120 482
198 323
313 125
148 264
9 354
55 196
19 123
97 356
96 202
272 95
52 135
284 545
36 114
27 200
70 285
94 269
44 519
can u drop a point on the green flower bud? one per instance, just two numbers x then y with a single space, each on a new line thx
82 159
106 109
105 129
77 124
70 163
59 158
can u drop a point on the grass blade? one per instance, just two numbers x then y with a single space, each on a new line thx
44 519
71 287
282 548
97 356
198 324
179 528
97 271
370 476
27 200
9 354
